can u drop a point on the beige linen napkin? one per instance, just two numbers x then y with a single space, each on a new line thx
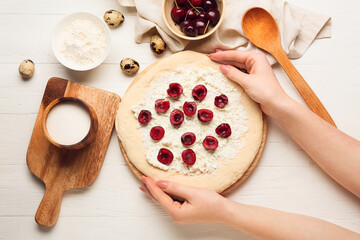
298 27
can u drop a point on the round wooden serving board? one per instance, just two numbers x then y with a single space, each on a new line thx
246 174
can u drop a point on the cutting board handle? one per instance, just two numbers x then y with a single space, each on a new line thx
49 208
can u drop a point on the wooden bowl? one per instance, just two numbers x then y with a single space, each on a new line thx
167 5
90 136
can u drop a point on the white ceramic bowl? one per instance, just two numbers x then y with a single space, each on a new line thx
61 27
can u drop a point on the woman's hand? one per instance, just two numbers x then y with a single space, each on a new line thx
203 205
199 206
335 152
260 84
324 143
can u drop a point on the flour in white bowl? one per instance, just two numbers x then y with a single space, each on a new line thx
233 114
82 42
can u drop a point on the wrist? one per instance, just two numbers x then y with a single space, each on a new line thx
277 106
227 212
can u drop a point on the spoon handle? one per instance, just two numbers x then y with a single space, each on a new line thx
303 88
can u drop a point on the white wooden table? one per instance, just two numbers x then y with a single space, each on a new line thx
113 207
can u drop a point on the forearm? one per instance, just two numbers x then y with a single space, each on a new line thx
335 152
265 223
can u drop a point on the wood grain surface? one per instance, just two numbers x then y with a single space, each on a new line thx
113 207
62 169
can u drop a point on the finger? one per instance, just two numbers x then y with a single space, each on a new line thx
144 189
161 197
235 75
232 55
176 189
147 193
233 63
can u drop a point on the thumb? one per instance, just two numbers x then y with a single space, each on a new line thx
176 189
235 75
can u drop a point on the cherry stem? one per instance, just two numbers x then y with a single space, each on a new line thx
193 7
206 26
176 4
199 8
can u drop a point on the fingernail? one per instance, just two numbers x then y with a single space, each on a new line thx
224 69
162 184
209 55
142 188
218 50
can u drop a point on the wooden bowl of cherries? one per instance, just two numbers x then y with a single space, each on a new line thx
193 19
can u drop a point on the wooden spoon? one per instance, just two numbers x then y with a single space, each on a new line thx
261 29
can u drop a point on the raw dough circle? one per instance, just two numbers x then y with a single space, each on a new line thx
130 136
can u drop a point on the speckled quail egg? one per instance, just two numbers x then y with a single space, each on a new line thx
129 66
27 68
157 44
113 18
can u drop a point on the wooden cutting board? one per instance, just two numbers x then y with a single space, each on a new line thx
247 173
61 169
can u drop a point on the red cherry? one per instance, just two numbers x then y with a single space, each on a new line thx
183 24
213 15
182 3
200 24
196 3
189 108
208 4
144 116
210 143
199 92
176 117
188 138
221 101
190 14
165 156
203 16
175 90
223 130
189 157
178 14
162 105
190 30
205 115
157 133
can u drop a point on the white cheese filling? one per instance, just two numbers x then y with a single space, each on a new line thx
233 114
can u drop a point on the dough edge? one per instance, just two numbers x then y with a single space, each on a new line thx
230 170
